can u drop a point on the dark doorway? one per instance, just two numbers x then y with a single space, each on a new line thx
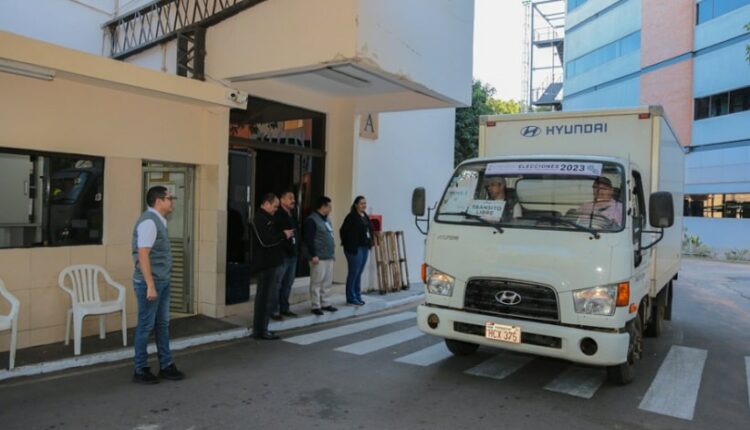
273 148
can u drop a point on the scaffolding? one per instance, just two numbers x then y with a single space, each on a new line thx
544 43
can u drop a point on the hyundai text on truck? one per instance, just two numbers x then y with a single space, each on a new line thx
576 260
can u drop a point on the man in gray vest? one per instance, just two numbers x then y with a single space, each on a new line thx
152 255
320 248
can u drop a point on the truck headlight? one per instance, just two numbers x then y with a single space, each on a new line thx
596 301
440 283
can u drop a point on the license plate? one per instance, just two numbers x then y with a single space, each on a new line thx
502 332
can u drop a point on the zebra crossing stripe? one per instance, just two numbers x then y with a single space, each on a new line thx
747 373
427 356
380 342
500 366
674 390
319 336
578 381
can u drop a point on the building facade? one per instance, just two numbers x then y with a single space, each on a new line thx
689 57
334 97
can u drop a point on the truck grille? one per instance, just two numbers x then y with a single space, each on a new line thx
537 301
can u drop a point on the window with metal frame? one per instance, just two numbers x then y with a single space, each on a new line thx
50 199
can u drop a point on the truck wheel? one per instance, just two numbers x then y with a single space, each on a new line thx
623 374
461 348
656 323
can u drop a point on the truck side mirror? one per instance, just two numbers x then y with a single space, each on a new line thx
418 202
661 209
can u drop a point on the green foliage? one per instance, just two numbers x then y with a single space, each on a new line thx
692 245
747 48
737 254
467 119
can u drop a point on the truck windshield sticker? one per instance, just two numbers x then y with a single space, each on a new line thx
491 210
456 199
544 168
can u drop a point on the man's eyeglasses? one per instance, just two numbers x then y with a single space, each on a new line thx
169 198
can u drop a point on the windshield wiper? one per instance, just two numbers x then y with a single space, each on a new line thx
476 217
557 220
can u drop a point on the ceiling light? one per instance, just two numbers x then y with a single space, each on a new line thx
28 70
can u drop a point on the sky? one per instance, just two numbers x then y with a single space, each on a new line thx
498 46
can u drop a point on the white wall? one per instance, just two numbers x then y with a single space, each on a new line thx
413 149
425 41
162 58
75 25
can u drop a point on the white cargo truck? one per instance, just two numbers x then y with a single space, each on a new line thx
562 239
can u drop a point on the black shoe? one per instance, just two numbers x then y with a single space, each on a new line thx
144 376
352 303
277 317
329 308
170 372
269 335
317 311
289 314
361 303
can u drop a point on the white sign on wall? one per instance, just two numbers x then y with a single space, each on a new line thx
368 126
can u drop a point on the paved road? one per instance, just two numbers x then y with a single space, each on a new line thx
380 373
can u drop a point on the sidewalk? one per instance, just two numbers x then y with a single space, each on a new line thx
191 331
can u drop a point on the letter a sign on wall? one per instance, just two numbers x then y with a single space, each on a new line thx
368 126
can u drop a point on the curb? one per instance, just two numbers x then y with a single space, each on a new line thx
203 339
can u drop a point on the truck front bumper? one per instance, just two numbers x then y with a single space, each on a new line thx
537 338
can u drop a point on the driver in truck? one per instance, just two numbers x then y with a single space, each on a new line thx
603 208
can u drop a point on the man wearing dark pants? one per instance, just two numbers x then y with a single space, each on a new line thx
266 261
286 220
152 255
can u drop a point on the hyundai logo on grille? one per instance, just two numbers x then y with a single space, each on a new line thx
508 298
530 131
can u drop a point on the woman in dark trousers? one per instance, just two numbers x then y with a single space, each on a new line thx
356 237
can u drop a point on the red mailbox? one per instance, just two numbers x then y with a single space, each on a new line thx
377 223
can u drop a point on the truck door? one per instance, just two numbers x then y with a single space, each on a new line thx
638 213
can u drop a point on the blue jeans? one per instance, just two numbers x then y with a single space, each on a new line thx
287 273
152 316
356 265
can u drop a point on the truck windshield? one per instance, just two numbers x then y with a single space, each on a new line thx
551 194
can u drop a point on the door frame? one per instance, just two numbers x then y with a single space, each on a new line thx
188 221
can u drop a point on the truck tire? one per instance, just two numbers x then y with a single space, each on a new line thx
458 347
623 374
656 323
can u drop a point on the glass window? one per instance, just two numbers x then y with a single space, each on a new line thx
739 100
701 107
50 199
548 195
719 104
717 205
574 4
710 9
604 54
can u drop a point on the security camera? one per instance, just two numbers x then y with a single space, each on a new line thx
237 96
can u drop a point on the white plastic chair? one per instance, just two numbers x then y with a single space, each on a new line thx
10 322
85 300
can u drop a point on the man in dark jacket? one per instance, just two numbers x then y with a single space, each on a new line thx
286 219
320 248
266 261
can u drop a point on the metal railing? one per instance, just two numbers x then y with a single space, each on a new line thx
163 20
